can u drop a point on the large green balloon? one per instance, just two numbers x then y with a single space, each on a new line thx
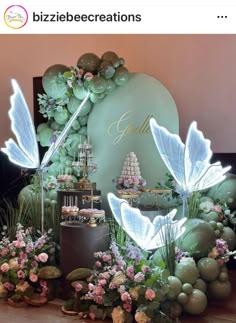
54 86
225 190
198 238
89 62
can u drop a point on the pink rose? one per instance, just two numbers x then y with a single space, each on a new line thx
150 294
43 257
91 286
92 316
125 297
33 277
98 264
102 282
4 252
99 290
20 274
106 258
4 267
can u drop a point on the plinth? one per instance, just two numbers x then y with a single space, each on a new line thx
78 243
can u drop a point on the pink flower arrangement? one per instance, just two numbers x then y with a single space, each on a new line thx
220 252
125 281
21 260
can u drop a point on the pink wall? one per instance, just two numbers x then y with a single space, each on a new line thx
199 71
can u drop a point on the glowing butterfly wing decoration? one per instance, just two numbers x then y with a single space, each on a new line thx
138 227
189 164
200 174
115 205
171 231
160 220
25 153
171 150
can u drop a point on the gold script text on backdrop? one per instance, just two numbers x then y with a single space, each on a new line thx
123 127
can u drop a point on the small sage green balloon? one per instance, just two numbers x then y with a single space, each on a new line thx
97 84
55 126
229 236
182 298
45 136
54 86
175 286
72 142
61 117
83 131
208 269
83 120
219 289
73 104
211 216
197 303
187 288
41 127
198 238
89 62
54 169
76 125
186 271
121 75
201 285
86 109
110 86
96 98
79 92
55 157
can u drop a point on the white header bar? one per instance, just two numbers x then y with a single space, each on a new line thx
118 19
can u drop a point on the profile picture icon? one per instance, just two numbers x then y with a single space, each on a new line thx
16 16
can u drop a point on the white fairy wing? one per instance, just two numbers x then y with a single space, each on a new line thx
160 220
25 153
200 174
171 150
115 204
138 227
214 174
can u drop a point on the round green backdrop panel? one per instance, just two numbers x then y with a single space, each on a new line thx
120 124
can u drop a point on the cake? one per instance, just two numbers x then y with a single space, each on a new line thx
92 213
69 210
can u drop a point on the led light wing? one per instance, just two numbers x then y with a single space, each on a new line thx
115 205
25 153
138 227
189 164
171 150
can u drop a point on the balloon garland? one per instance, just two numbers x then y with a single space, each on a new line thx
65 88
